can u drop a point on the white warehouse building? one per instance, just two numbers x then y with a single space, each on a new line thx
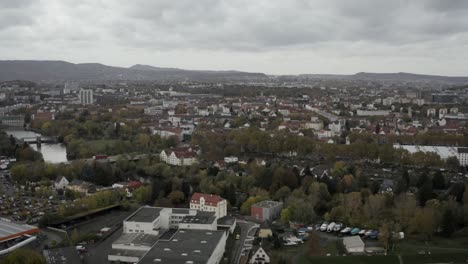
170 235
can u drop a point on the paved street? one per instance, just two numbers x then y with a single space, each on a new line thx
247 233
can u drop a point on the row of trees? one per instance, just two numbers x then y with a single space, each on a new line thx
216 145
10 148
84 204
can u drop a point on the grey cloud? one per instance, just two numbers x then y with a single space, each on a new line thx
225 27
11 4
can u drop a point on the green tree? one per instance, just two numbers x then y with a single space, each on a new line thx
453 163
286 215
448 224
176 197
23 256
143 194
424 191
438 181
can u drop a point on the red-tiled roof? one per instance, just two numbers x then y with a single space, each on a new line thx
210 199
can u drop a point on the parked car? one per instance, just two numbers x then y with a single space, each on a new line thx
338 227
374 234
368 233
330 227
345 231
324 226
362 232
355 231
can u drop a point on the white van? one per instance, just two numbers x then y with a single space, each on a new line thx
330 227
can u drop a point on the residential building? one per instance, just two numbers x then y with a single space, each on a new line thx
266 210
231 159
360 112
179 157
444 152
462 155
12 120
209 203
86 97
168 132
259 256
61 183
70 87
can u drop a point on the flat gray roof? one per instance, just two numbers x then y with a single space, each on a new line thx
137 239
226 220
180 211
145 214
186 245
198 219
129 253
267 204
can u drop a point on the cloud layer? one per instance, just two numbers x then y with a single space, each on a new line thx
283 36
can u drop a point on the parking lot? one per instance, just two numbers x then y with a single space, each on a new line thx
25 204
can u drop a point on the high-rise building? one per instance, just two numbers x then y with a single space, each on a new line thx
70 87
86 97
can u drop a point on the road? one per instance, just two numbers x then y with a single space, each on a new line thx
329 116
247 233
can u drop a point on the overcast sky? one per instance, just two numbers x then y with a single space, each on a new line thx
271 36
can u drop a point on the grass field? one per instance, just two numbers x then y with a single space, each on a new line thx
350 260
390 259
438 250
436 258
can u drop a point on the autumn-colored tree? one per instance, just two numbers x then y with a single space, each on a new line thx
176 197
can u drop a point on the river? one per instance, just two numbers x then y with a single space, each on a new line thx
52 153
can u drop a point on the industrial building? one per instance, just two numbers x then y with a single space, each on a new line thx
171 235
266 210
13 235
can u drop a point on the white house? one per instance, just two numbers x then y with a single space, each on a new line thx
61 183
260 257
179 157
209 203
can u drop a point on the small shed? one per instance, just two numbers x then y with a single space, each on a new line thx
354 244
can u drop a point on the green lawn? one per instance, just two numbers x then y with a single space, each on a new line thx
436 258
350 260
436 245
442 250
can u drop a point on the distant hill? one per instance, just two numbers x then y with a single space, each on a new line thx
61 70
400 76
